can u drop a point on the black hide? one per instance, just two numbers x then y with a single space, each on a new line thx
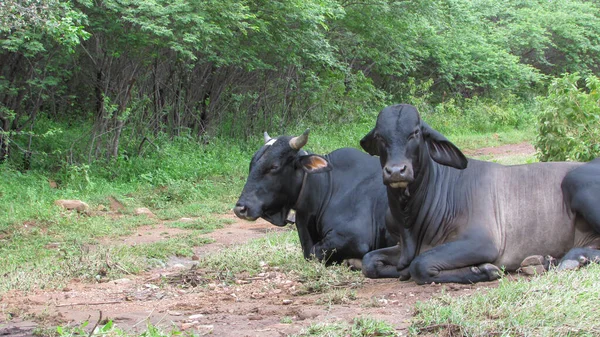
338 198
462 220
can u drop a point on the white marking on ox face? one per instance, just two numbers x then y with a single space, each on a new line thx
271 141
401 184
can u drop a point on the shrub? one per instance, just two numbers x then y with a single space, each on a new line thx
568 124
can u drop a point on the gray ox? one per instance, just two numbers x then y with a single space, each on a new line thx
339 200
460 220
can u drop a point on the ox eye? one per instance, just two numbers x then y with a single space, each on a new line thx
273 168
415 134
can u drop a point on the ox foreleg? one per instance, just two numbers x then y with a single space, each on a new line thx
382 263
578 257
464 261
584 203
330 249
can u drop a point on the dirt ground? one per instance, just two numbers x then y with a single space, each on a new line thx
264 305
252 307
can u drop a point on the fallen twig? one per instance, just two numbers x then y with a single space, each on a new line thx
96 325
88 303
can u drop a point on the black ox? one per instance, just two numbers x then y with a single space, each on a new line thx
338 198
460 220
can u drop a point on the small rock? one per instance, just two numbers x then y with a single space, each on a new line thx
286 302
143 211
151 286
196 316
101 208
255 317
186 220
178 265
76 205
122 281
174 313
195 257
185 326
52 183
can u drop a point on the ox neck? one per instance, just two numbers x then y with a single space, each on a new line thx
409 202
315 194
301 193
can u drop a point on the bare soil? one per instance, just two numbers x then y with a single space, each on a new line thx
254 306
265 305
501 151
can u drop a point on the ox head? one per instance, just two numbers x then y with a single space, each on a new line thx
405 144
276 177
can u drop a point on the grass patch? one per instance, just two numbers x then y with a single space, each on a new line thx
473 141
281 250
91 261
107 329
554 304
203 224
361 326
338 296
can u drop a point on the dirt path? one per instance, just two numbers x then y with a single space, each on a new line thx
260 306
253 307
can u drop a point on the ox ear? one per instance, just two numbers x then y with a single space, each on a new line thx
369 143
313 163
442 150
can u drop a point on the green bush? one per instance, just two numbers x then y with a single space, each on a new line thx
568 124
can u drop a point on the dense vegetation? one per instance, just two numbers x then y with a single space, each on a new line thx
86 81
161 103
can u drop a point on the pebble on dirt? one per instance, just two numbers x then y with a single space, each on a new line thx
76 205
144 211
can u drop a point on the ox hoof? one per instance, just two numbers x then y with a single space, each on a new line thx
533 270
353 264
533 265
537 264
489 269
533 260
568 265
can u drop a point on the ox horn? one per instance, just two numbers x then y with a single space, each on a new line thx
298 142
267 137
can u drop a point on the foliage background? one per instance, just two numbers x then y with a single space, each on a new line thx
84 82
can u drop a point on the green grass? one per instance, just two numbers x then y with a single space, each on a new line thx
361 326
108 329
471 141
283 251
554 304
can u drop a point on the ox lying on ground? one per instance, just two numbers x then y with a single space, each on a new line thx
339 200
461 223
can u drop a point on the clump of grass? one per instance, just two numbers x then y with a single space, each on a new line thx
203 224
361 326
338 296
107 328
281 250
554 304
92 262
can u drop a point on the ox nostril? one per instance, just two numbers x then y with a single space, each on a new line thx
388 170
240 210
403 169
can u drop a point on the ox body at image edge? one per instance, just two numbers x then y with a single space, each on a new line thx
462 220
